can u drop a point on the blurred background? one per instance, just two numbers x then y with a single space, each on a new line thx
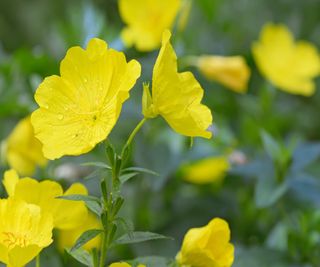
269 189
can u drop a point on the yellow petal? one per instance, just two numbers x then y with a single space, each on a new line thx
10 181
232 72
207 246
67 238
207 170
177 96
146 20
120 264
23 151
79 108
24 231
290 66
66 213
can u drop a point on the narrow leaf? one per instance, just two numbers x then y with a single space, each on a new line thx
125 177
77 197
137 237
86 237
97 164
142 170
81 255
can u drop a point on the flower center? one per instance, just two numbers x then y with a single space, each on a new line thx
14 239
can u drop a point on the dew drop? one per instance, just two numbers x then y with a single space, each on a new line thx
60 117
46 105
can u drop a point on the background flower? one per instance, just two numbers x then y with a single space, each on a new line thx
146 20
22 150
289 65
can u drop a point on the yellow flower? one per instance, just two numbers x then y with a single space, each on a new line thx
232 72
176 96
146 20
79 108
24 231
22 150
67 238
289 65
123 264
67 214
207 246
207 170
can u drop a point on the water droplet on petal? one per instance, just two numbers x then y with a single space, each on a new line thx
60 117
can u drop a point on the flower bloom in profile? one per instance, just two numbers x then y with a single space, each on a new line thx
232 72
207 246
287 64
66 214
146 20
176 96
67 238
24 231
206 170
79 108
21 150
123 264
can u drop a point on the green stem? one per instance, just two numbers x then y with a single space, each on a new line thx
38 260
134 132
103 250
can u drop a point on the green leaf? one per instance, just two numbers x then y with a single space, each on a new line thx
93 203
81 255
142 170
137 237
76 197
125 177
97 164
268 191
270 145
86 237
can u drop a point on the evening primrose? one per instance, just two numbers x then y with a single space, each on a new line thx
146 20
66 214
79 108
176 96
287 64
232 72
24 231
21 150
207 246
208 170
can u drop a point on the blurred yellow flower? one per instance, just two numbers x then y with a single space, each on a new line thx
66 214
22 150
176 96
207 246
24 231
146 20
207 170
79 108
67 238
232 72
184 14
123 264
289 65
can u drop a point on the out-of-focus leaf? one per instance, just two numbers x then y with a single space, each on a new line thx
125 177
268 191
278 237
304 155
270 145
